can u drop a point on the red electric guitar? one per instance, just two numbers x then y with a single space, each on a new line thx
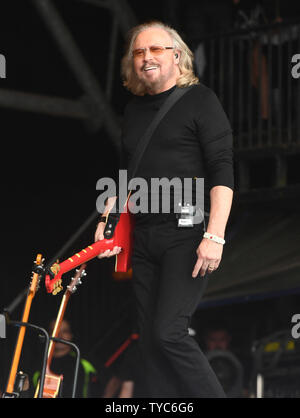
53 382
121 237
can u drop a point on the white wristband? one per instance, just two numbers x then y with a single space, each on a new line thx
214 238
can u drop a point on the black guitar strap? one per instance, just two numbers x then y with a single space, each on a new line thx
141 148
144 141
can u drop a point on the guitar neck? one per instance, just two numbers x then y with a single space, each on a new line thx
71 263
122 237
57 326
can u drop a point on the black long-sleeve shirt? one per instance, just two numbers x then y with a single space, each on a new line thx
194 139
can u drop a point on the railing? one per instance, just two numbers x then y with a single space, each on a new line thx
251 72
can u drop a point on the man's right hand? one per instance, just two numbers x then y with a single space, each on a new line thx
99 235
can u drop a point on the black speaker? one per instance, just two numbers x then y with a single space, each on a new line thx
228 370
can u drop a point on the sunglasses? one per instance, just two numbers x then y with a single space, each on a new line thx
155 50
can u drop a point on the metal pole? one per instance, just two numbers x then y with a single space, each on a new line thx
53 106
111 58
59 340
78 65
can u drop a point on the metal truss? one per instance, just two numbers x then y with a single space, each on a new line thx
94 107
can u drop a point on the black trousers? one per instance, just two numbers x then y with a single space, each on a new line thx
172 363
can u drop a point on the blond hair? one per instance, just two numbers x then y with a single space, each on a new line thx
130 80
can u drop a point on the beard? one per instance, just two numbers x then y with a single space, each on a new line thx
151 84
156 83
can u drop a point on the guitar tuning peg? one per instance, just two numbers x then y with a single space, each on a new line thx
57 288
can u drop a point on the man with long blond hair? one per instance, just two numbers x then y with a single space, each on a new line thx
171 264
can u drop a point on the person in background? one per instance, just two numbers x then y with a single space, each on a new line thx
63 362
227 366
217 338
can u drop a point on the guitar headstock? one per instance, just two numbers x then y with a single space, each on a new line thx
35 279
76 280
57 287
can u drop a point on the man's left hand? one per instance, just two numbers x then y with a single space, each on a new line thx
209 257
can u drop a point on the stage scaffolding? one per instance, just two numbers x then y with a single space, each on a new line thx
94 107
